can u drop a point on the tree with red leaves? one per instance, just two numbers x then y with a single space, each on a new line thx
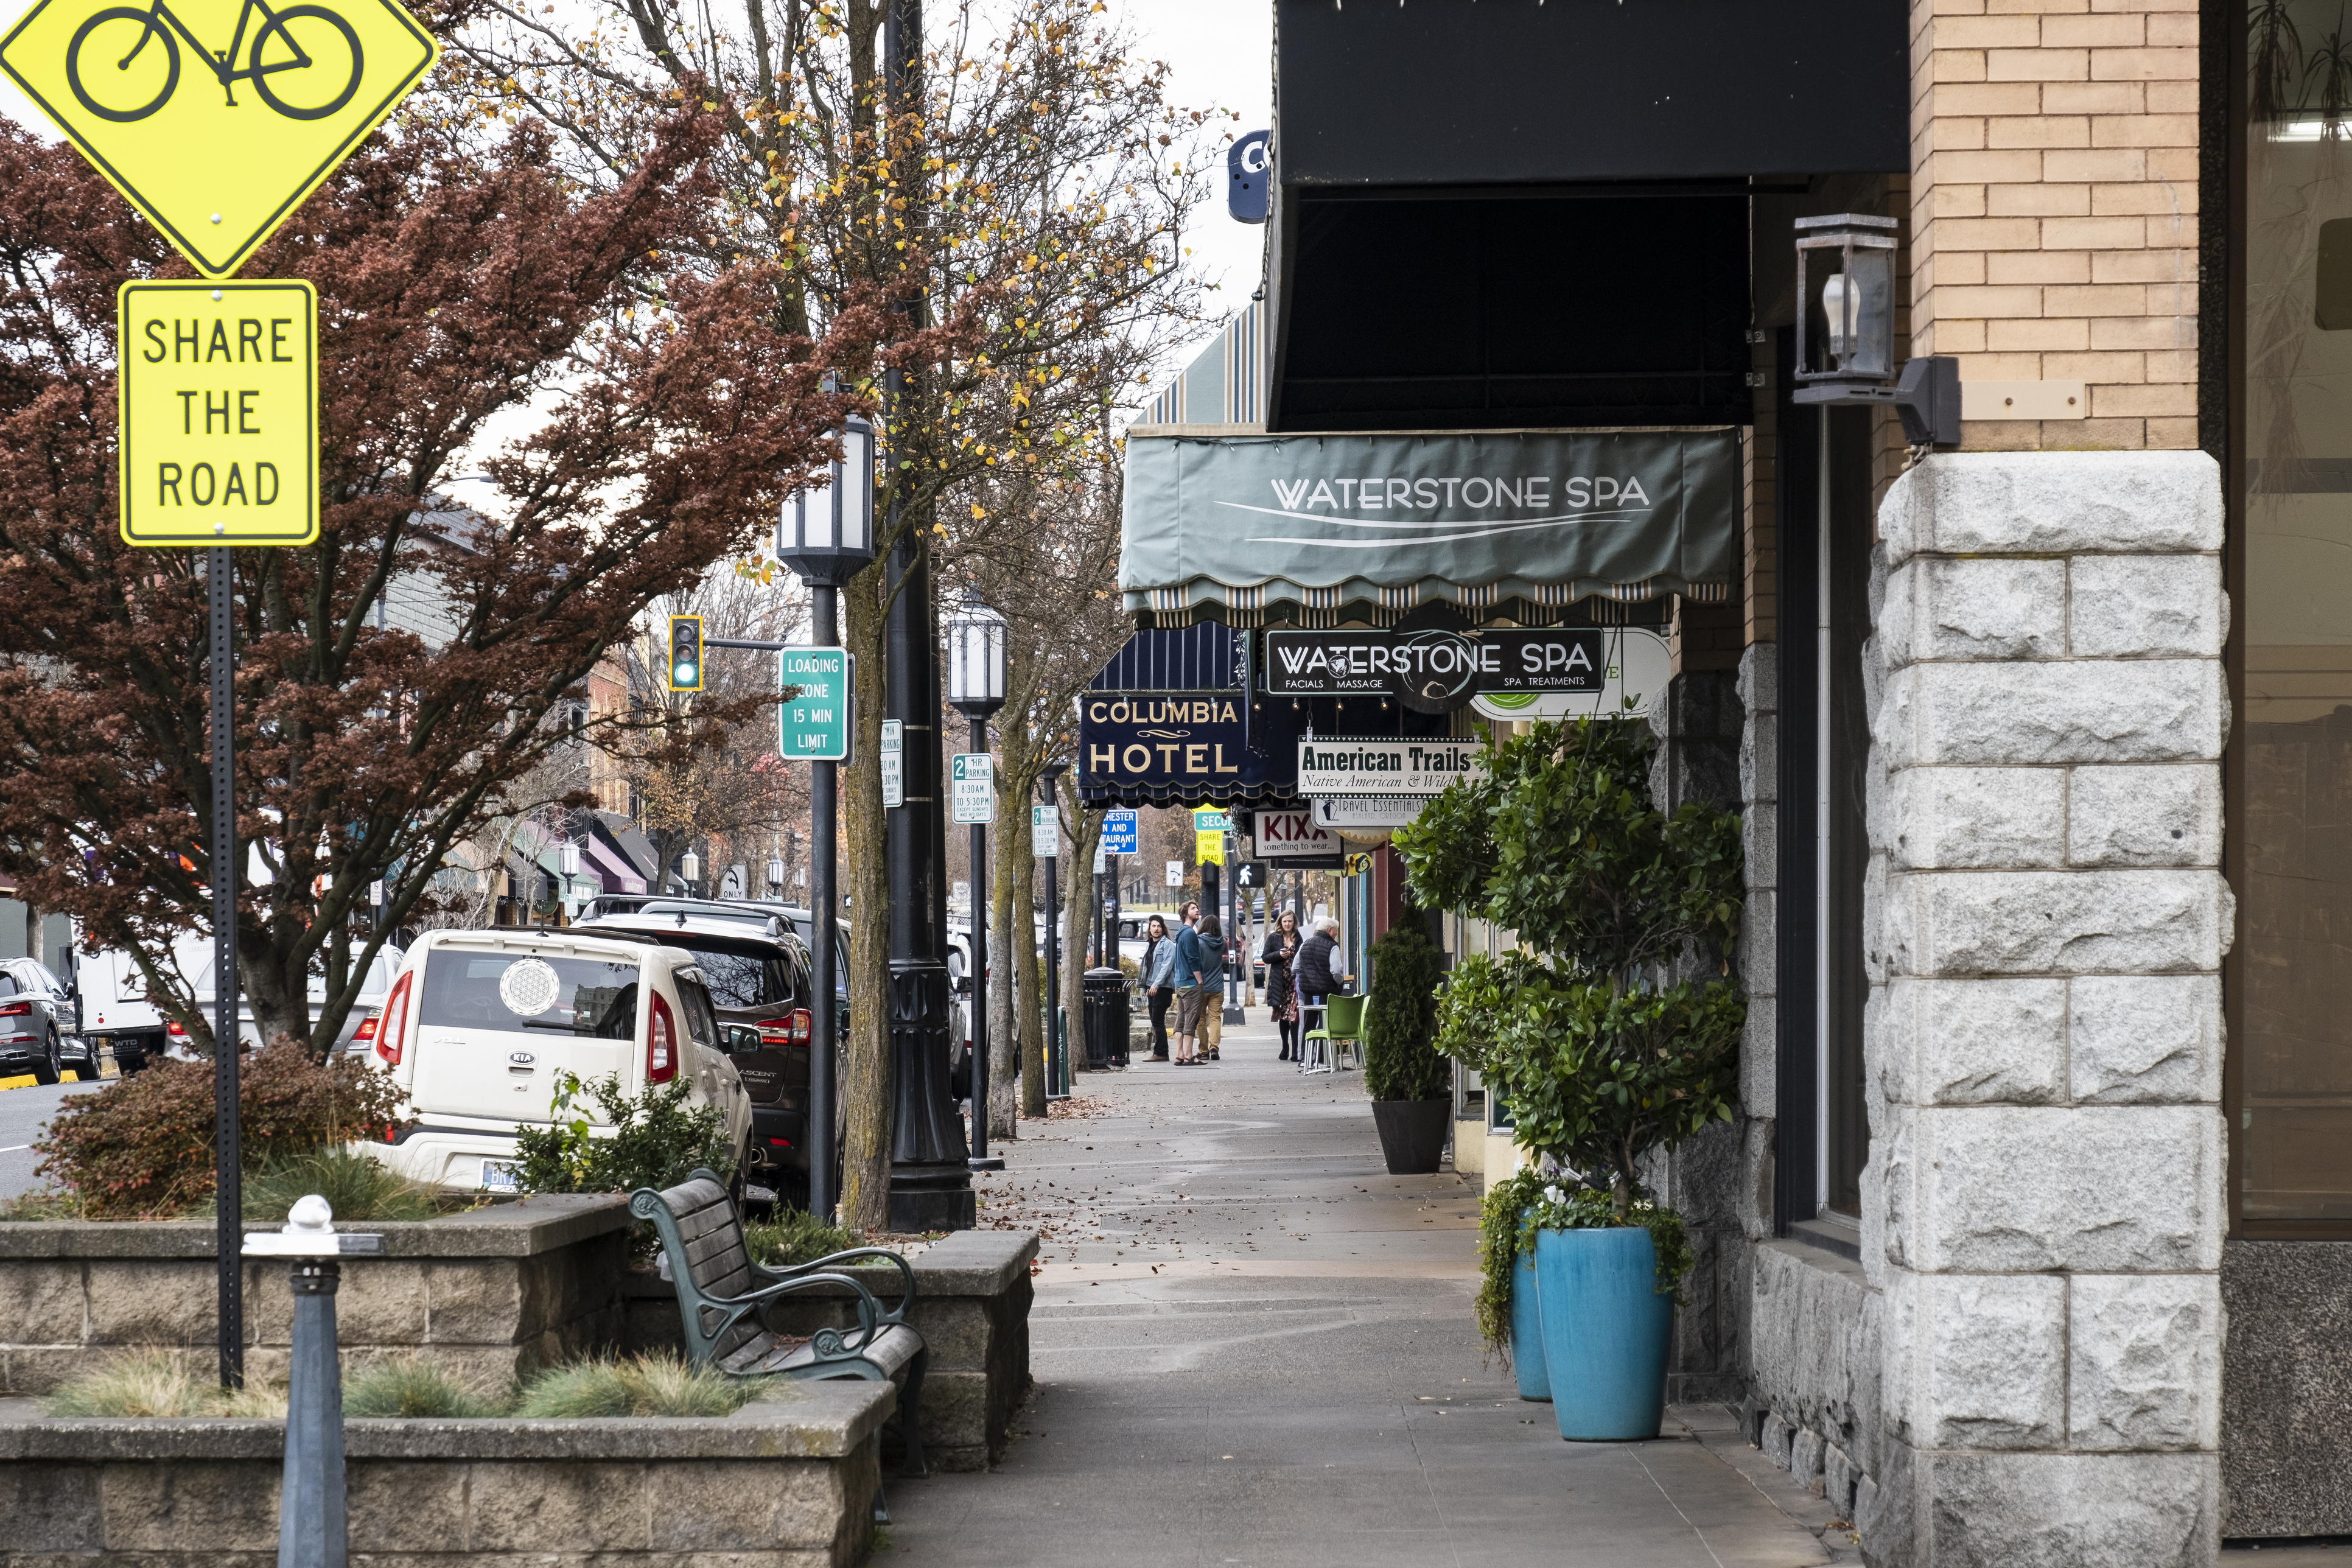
458 281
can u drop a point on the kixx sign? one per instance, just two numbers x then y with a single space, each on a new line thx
1352 765
1433 670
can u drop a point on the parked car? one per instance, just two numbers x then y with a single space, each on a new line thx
478 1023
758 976
40 1031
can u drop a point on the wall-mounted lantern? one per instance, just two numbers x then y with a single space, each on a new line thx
1845 330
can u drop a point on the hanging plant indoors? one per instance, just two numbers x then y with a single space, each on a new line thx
1411 1084
1612 1031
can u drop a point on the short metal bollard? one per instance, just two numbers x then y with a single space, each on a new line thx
313 1530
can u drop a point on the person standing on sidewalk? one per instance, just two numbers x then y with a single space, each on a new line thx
1212 966
1159 983
1280 957
1317 979
1189 991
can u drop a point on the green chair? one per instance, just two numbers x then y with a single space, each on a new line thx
1342 1033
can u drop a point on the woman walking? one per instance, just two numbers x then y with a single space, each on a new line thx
1159 983
1280 954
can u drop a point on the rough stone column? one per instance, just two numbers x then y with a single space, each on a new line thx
1699 758
2047 922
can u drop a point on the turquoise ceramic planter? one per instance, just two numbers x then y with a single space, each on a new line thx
1605 1330
1528 1332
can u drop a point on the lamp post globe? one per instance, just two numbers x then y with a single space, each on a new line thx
975 650
825 533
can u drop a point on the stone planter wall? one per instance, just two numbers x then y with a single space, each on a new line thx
493 1293
972 1307
785 1482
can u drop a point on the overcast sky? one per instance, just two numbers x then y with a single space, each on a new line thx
1221 56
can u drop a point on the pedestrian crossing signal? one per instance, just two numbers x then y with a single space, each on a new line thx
686 653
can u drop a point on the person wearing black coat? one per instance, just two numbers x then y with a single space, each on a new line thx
1280 956
1317 979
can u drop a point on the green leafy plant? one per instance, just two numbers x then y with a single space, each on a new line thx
1401 1059
795 1236
144 1146
414 1387
1601 1051
635 1386
1515 1208
657 1139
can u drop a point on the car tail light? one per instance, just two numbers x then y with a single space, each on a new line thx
391 1022
661 1044
14 1009
365 1033
793 1030
174 1028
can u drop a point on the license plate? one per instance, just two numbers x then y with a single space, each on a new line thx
498 1176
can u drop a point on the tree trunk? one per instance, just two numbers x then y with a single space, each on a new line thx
865 1091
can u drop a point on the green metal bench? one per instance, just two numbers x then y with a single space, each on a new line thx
723 1298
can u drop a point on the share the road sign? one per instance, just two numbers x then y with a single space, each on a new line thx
216 118
218 398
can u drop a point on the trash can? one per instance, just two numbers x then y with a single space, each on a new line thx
1105 1019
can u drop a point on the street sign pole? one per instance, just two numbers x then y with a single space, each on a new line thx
825 783
228 1174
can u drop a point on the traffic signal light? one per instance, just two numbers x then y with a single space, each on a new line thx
686 653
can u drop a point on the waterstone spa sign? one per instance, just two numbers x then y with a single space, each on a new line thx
1359 766
1433 670
1493 522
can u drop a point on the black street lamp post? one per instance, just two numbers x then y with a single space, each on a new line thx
826 537
931 1182
975 640
1056 1048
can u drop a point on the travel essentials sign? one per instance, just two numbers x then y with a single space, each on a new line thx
1353 766
217 403
1500 524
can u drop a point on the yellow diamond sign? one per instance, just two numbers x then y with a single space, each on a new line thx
216 118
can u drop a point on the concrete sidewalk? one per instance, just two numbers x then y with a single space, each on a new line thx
1254 1346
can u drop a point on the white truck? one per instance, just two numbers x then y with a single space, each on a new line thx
115 1009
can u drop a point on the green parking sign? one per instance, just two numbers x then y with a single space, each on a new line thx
813 727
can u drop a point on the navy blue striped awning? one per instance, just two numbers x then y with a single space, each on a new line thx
1205 658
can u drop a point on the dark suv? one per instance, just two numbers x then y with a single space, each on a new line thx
40 1025
757 975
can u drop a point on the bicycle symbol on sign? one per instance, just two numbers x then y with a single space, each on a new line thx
328 71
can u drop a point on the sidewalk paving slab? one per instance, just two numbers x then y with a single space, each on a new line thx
1300 1383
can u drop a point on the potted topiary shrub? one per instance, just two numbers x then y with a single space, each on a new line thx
1612 1030
1411 1085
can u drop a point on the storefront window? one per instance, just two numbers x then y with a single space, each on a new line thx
2292 1037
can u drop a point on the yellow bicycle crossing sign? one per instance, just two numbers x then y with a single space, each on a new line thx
216 118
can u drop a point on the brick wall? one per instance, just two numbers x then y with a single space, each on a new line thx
2054 209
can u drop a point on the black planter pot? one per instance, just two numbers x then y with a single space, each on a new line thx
1412 1134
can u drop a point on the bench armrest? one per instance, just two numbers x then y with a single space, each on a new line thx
897 1314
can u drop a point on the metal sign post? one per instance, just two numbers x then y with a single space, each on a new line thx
228 1186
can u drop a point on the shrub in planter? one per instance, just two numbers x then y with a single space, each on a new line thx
1612 1031
657 1141
143 1148
1410 1083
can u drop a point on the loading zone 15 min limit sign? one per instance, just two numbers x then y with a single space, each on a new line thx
218 404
